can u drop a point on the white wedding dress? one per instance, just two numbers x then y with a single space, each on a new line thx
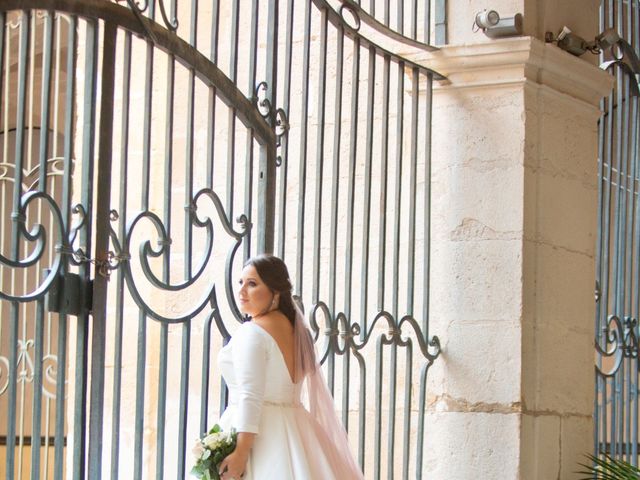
264 400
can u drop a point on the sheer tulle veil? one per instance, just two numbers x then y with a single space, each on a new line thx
320 402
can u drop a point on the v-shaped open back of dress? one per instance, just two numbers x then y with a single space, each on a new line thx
290 444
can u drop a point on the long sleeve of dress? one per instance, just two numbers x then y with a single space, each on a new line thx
249 362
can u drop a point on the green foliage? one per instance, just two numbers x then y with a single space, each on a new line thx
608 468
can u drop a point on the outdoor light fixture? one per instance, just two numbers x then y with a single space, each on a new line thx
493 26
608 39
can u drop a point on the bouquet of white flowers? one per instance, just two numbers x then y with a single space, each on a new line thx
210 450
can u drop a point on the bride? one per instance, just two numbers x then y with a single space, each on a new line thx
270 368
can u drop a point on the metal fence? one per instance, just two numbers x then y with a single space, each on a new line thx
147 150
618 247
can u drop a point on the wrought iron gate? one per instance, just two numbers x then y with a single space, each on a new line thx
144 158
618 246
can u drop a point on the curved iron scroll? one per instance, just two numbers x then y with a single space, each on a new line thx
147 251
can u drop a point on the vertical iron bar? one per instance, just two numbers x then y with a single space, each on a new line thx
36 424
602 160
284 167
319 176
335 184
58 462
414 20
411 249
248 180
304 122
46 97
387 9
353 154
427 208
86 235
398 190
146 132
206 372
362 414
618 237
384 183
231 136
36 429
211 123
166 267
364 278
421 409
393 373
348 268
146 136
406 437
636 281
122 231
400 20
188 242
103 201
140 391
184 392
377 449
606 18
267 183
66 213
142 316
440 22
630 177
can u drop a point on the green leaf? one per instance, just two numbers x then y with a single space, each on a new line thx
608 468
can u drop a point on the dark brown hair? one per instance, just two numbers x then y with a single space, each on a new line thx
274 273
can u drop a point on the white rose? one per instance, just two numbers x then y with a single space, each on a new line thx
213 440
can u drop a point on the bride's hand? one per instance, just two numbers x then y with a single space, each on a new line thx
233 466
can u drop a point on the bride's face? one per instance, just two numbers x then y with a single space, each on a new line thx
254 296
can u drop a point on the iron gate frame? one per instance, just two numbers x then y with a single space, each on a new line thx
264 126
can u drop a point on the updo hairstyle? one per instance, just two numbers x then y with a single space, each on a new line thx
274 273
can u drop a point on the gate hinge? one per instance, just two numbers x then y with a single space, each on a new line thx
68 294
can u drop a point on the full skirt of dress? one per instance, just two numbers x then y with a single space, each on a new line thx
288 446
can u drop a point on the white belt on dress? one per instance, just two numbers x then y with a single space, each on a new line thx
271 403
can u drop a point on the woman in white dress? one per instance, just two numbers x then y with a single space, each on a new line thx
270 367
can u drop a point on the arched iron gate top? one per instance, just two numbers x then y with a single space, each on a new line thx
167 41
400 92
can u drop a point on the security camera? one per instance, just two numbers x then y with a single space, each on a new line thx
493 26
487 19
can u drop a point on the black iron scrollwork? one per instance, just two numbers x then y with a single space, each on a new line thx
343 336
619 340
278 117
261 100
37 235
148 250
344 9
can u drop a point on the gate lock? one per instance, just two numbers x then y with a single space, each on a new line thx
67 294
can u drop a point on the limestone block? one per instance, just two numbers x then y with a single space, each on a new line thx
576 434
561 136
557 380
540 449
471 446
476 280
565 213
480 367
559 284
482 198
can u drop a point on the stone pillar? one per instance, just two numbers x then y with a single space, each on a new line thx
514 231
